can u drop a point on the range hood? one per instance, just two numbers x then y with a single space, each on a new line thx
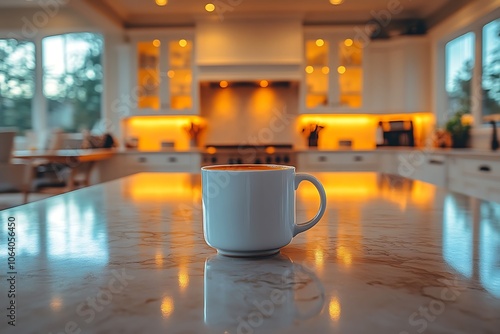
249 50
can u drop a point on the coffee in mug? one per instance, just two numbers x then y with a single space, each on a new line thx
249 210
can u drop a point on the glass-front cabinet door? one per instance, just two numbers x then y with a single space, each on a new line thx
163 82
333 72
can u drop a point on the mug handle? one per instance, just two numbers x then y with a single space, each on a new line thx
299 177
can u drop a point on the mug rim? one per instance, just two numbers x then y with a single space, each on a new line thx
222 168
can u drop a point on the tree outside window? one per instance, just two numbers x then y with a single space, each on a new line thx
17 83
72 80
491 68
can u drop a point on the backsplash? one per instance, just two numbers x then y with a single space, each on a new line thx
249 115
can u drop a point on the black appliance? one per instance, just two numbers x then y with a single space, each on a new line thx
398 133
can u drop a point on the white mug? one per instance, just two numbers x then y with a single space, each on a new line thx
249 210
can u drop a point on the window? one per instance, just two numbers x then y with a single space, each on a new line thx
72 80
459 55
17 83
491 68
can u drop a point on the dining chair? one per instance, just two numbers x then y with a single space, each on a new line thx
13 176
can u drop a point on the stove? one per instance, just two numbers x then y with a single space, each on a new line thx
279 154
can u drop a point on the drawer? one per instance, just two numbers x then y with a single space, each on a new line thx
158 160
337 161
480 168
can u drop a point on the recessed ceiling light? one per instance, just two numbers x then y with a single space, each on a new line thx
341 69
264 83
183 43
320 42
348 42
336 2
161 2
156 43
209 7
223 84
325 69
309 69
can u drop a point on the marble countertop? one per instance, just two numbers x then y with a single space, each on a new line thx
390 255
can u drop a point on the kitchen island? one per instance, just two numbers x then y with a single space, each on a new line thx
391 255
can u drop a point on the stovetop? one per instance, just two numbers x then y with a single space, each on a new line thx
281 154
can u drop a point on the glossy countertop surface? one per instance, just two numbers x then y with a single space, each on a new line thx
390 255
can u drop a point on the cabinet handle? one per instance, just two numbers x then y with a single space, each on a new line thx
358 158
142 159
322 158
485 168
172 159
436 162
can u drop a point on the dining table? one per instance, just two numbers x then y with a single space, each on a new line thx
79 161
390 255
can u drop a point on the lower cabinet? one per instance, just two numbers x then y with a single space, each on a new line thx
128 163
337 161
475 177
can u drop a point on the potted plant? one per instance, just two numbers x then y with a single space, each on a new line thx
458 126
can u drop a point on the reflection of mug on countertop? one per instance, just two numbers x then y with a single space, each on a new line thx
243 295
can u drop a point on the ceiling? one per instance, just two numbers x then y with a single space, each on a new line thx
145 13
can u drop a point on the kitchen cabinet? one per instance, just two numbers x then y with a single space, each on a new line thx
316 161
163 77
397 75
127 163
475 177
333 71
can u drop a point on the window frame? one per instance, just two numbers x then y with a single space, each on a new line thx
40 126
446 33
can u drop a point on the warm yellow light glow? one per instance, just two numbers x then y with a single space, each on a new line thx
325 69
320 42
358 185
171 74
270 150
156 43
159 259
152 130
264 83
334 309
332 120
348 42
183 278
209 7
319 257
159 187
211 150
422 194
56 303
223 84
309 69
341 69
183 43
167 306
344 255
161 2
467 119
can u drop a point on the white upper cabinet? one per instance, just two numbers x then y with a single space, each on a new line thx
163 75
397 75
333 71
